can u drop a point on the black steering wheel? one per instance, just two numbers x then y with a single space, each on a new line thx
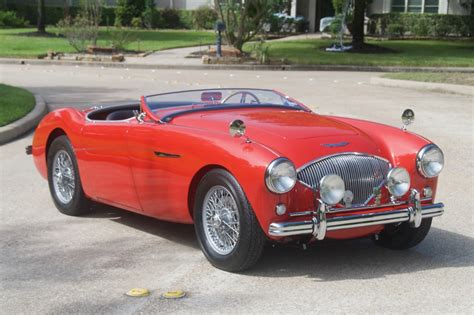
243 98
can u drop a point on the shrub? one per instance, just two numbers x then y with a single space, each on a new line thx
204 18
54 14
443 27
170 18
396 29
78 31
151 18
136 22
422 27
126 10
423 24
121 37
186 19
10 19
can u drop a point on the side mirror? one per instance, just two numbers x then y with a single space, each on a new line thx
237 128
408 117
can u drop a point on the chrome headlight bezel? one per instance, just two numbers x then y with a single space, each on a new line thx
420 160
273 180
398 176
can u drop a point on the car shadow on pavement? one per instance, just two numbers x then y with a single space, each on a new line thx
329 260
175 232
361 259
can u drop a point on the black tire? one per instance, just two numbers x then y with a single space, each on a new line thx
251 239
403 236
79 204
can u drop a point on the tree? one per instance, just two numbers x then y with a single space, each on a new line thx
92 11
245 19
358 21
41 18
126 10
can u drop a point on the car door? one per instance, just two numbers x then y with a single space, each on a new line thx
160 170
107 163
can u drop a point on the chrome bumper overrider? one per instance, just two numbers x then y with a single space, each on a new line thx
319 224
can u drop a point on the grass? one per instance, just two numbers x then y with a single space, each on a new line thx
450 78
14 43
427 53
14 103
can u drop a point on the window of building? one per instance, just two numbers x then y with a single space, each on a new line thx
431 6
415 6
398 6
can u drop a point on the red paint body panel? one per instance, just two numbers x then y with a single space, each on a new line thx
121 162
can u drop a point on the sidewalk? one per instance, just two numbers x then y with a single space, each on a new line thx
169 57
176 59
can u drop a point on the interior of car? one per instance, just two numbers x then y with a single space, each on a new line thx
115 113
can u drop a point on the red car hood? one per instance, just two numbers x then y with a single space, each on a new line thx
297 135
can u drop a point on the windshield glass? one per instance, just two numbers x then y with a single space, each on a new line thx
219 97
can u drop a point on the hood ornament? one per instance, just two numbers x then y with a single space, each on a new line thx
335 145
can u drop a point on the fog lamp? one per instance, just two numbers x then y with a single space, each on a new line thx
331 189
398 181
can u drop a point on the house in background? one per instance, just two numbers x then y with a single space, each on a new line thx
315 10
162 4
458 7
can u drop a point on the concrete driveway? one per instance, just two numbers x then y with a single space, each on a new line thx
51 263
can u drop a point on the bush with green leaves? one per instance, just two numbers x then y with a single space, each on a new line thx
423 24
261 52
136 22
204 17
170 18
126 10
396 29
79 32
150 16
121 37
10 19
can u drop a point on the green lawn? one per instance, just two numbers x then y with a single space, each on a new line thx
14 44
14 103
432 53
450 78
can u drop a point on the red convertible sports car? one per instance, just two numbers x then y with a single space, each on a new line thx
245 166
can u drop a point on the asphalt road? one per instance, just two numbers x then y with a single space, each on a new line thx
51 263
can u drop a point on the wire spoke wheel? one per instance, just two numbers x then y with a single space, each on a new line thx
221 220
63 176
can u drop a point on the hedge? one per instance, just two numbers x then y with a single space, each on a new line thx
10 19
54 14
162 18
421 24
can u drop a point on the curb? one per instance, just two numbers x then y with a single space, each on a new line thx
24 124
237 66
427 86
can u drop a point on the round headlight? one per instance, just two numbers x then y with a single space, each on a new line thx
398 181
430 161
280 176
331 189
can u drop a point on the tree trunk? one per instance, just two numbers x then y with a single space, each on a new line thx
40 24
358 23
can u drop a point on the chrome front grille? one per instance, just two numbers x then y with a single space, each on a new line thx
361 173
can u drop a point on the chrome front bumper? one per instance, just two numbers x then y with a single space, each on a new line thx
319 224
